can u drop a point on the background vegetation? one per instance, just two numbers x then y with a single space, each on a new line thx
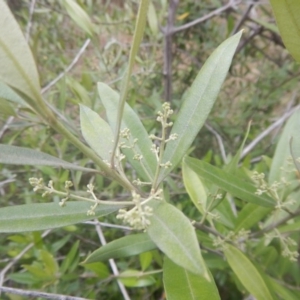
262 86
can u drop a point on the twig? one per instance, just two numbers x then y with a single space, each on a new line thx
261 136
29 24
211 250
6 125
71 65
219 140
218 11
168 33
111 262
276 224
17 258
38 294
287 109
202 227
242 19
108 225
244 42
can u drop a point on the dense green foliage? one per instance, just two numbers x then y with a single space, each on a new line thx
135 202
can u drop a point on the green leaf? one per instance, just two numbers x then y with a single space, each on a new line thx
174 234
9 94
41 216
79 16
145 259
99 268
17 66
69 259
135 278
230 183
180 284
280 163
137 38
199 101
80 92
287 17
110 100
152 19
195 188
250 215
247 273
126 246
49 262
96 132
285 293
7 109
24 156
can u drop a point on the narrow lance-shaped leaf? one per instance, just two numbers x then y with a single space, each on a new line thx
231 167
199 101
287 14
195 188
79 16
41 216
24 156
110 100
230 183
17 66
96 132
180 284
247 273
280 163
126 246
9 94
137 38
250 215
174 234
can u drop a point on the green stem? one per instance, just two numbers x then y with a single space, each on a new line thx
161 153
53 122
98 201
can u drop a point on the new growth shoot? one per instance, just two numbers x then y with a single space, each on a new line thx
162 117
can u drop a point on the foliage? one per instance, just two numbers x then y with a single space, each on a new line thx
216 231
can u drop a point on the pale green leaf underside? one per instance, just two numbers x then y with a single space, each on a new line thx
287 14
173 234
78 15
24 156
110 100
195 188
280 163
9 94
137 38
181 284
247 273
96 132
41 216
126 246
199 101
17 66
230 183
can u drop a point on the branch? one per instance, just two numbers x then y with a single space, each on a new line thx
276 224
38 294
29 24
219 140
207 229
218 11
71 65
261 136
168 33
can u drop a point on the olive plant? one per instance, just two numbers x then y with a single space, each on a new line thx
187 245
